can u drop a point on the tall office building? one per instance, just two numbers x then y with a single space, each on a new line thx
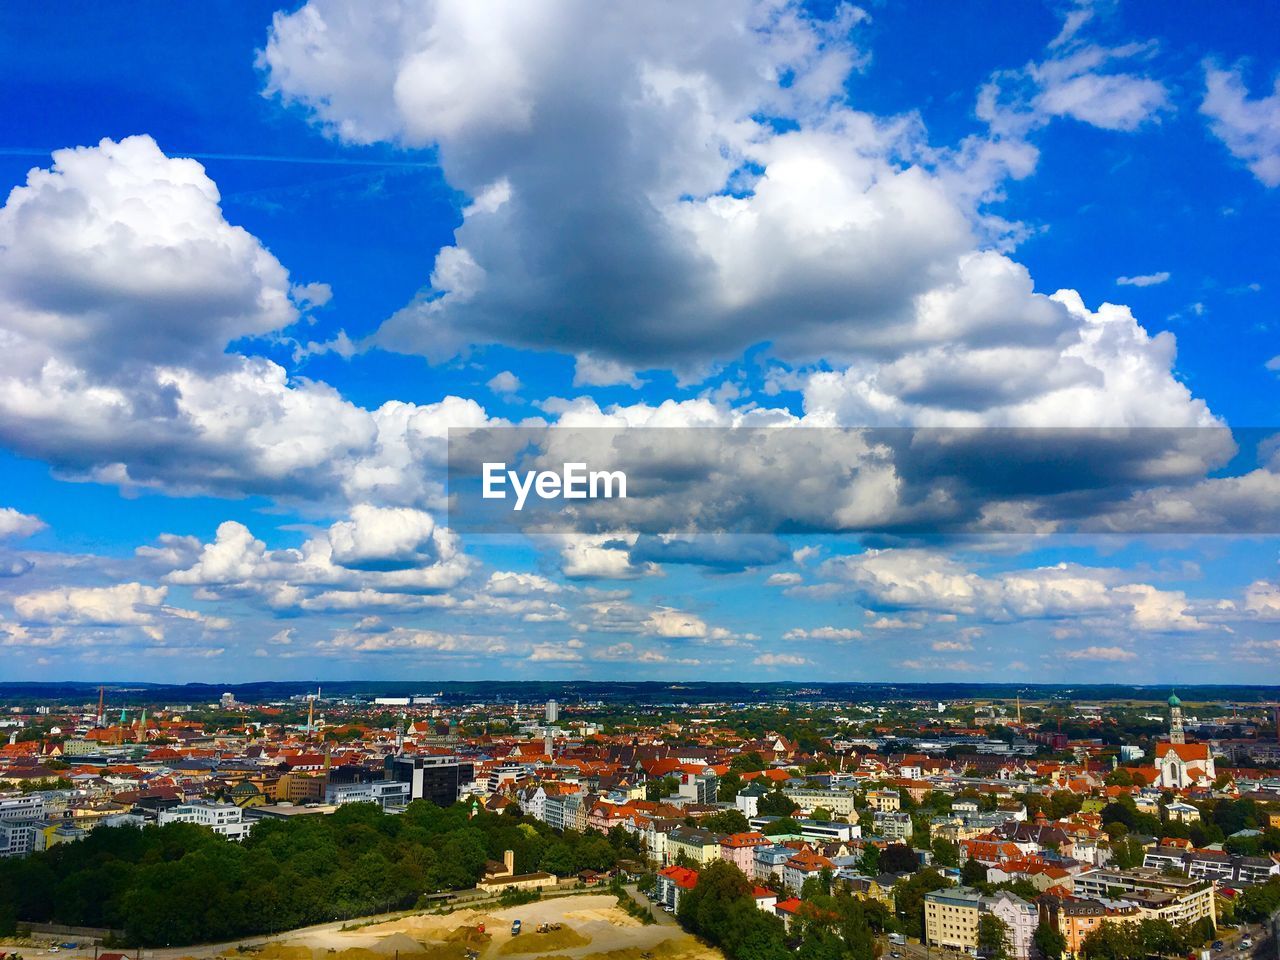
438 779
553 711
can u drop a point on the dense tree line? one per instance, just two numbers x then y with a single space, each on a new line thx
722 909
1146 938
182 884
1219 819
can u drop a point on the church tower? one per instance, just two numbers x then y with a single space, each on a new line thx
1175 720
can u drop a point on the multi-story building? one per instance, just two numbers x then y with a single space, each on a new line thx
388 794
699 787
1076 918
839 802
435 778
884 800
672 882
770 861
1213 865
748 799
739 849
225 819
802 866
824 830
28 806
1019 917
951 918
51 834
698 846
17 837
892 824
1155 894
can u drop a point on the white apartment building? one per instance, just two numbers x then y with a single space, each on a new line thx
224 819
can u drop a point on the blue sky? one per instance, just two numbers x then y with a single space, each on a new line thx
280 251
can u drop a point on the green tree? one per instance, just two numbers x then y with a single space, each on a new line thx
728 786
973 873
909 896
1049 943
898 858
727 821
775 803
785 825
993 937
869 862
1113 941
945 853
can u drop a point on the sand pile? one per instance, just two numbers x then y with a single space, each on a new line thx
563 939
610 915
469 935
282 951
400 943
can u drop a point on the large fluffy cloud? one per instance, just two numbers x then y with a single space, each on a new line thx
667 185
119 605
380 570
926 580
117 255
121 286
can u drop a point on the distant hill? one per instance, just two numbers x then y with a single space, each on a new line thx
648 693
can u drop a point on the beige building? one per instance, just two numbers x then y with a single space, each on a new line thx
884 800
1155 894
951 918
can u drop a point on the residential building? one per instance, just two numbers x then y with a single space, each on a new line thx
1075 918
672 881
892 824
1019 917
739 849
224 819
1172 898
698 846
748 799
884 800
802 866
770 861
951 918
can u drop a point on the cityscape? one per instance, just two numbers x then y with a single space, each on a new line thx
562 480
1036 825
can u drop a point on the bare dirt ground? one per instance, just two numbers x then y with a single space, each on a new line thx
593 928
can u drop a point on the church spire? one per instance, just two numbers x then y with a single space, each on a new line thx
1175 720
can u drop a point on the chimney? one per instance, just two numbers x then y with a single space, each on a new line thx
509 861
